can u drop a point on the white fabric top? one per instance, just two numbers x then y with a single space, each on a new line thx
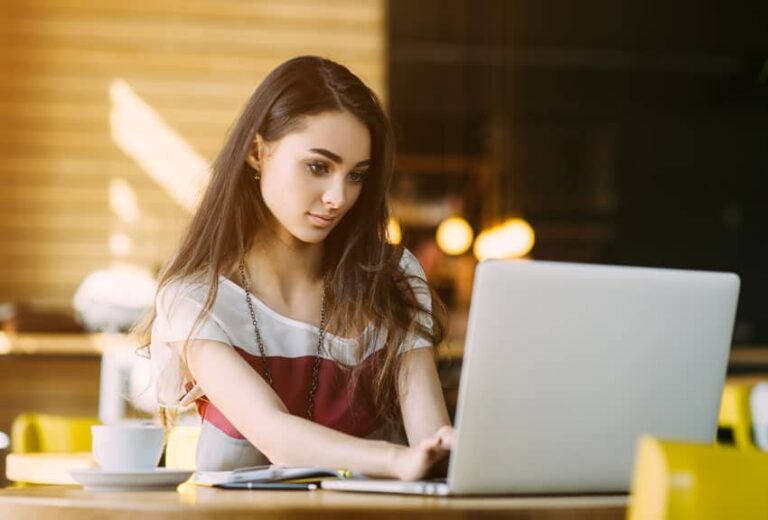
290 347
179 303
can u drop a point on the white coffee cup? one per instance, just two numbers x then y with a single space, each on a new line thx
127 447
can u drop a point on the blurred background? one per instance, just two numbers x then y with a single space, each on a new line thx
629 132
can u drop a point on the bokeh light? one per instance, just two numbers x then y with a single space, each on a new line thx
454 236
512 239
394 234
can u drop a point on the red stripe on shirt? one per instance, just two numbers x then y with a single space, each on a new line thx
337 404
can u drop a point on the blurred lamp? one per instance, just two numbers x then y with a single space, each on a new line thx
454 236
113 299
394 235
512 239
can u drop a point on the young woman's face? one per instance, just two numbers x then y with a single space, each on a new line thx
311 177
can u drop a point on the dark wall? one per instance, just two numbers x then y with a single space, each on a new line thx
634 132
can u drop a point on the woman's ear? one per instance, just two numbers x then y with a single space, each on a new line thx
255 153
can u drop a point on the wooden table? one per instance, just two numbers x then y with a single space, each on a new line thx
191 502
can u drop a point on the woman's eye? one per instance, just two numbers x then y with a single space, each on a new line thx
357 177
318 168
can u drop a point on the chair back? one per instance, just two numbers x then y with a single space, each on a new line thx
45 433
735 419
687 481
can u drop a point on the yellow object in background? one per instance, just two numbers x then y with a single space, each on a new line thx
735 414
181 450
454 236
687 481
44 433
44 447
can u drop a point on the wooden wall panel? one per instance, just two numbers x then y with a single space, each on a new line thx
194 62
55 384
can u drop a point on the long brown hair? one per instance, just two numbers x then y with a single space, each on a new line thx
365 282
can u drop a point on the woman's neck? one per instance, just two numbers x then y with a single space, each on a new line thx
284 270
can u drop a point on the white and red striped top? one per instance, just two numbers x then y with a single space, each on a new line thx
290 347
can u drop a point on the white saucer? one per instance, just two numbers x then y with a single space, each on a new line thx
97 479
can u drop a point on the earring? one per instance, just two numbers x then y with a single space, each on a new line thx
253 162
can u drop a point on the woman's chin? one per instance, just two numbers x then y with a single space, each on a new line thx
312 236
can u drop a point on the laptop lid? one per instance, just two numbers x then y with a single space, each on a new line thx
565 365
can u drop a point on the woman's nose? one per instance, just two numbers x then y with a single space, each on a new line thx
334 196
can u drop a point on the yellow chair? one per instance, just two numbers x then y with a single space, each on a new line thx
687 481
735 413
44 447
44 433
181 449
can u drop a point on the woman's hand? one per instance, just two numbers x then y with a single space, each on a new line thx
417 462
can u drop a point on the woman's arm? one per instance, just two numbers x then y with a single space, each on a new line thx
254 408
421 396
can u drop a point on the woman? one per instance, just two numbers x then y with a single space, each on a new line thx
302 335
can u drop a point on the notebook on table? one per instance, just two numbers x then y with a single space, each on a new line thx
566 365
269 477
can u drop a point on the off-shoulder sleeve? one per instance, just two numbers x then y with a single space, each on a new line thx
178 306
413 270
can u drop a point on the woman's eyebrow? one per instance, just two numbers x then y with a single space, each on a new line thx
335 158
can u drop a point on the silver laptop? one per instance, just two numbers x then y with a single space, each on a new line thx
565 365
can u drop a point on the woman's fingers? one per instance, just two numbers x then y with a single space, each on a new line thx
421 459
447 439
445 434
435 448
430 443
436 454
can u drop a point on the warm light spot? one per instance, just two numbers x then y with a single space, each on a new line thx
156 147
187 491
512 239
5 343
454 236
394 234
123 202
120 244
520 236
486 246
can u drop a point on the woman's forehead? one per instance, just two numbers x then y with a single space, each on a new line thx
338 132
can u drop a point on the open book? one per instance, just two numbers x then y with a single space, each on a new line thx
264 474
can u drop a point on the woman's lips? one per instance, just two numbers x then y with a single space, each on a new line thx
321 221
